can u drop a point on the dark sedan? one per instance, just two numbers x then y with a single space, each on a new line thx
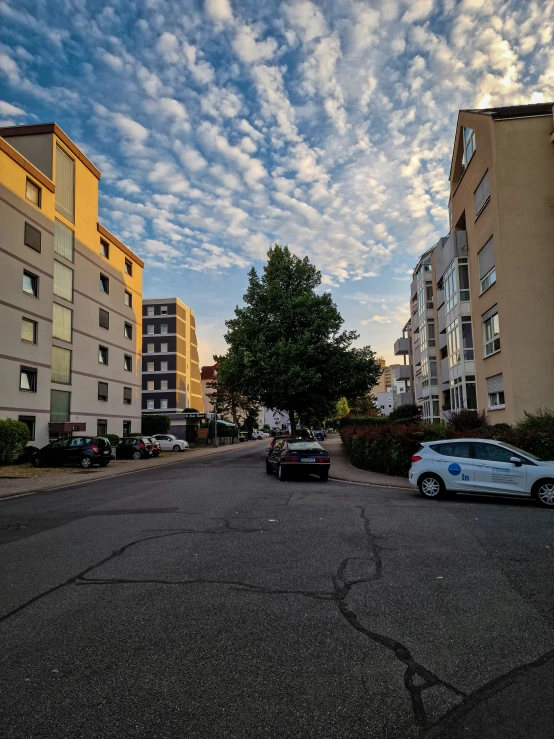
80 450
298 455
134 447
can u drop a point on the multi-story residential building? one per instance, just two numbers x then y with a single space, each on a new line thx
488 285
70 294
208 374
403 373
171 372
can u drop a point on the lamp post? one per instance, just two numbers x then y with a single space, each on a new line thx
215 420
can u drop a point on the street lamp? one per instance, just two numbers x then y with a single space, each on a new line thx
215 420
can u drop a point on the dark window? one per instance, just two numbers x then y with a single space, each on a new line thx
60 405
28 331
104 319
126 428
128 267
32 237
103 354
30 283
128 299
33 193
128 331
101 427
104 284
492 453
30 422
128 363
102 391
104 249
127 395
28 379
453 449
163 310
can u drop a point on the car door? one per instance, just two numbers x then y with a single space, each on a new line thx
455 465
56 454
494 473
74 450
165 442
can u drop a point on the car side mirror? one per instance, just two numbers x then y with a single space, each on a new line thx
516 461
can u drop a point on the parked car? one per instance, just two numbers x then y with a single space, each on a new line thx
80 450
170 443
243 437
305 434
480 466
320 435
298 454
134 447
156 446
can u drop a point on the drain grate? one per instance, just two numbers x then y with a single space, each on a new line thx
13 527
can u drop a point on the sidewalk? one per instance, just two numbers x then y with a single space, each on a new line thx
341 469
51 478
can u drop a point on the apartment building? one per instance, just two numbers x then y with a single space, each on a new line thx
482 298
70 294
171 371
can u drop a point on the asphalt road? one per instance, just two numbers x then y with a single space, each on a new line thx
207 599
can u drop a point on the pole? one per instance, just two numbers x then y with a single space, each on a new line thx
215 421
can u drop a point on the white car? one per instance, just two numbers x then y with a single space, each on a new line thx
170 443
480 466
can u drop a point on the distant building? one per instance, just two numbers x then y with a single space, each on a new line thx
208 374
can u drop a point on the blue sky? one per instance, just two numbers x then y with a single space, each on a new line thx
222 126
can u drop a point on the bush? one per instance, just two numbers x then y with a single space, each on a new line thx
406 411
541 420
112 438
363 421
189 410
14 436
154 424
466 419
27 454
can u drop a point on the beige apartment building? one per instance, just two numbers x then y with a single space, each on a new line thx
482 298
70 294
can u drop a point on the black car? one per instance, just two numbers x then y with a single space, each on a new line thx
320 435
134 447
82 450
298 454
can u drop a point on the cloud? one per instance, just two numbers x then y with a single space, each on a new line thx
219 10
376 319
9 109
249 49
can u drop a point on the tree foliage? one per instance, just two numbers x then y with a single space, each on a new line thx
153 423
14 436
231 403
364 405
286 347
343 409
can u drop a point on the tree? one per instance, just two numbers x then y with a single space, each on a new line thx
14 436
286 349
343 408
365 405
153 423
232 402
408 410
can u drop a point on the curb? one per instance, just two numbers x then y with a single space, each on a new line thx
371 484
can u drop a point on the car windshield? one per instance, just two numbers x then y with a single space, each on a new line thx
520 451
302 445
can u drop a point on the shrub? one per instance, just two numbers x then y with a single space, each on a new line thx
466 419
189 410
154 424
14 436
363 421
408 410
27 454
541 420
112 438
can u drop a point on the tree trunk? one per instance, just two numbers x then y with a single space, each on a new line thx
292 420
234 413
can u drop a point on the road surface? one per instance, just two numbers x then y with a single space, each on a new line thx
208 599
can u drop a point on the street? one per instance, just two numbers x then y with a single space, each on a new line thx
208 599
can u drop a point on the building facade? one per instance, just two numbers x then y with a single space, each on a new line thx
170 367
70 294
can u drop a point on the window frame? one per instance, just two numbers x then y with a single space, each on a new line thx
104 422
164 382
34 280
128 299
164 404
101 397
150 383
150 348
164 311
164 366
162 326
128 269
106 247
150 329
150 364
150 405
63 349
29 420
61 338
490 274
127 363
101 312
104 284
33 372
127 391
35 330
101 350
128 331
495 337
501 401
64 267
150 311
28 182
32 230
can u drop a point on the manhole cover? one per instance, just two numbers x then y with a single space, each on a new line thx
13 527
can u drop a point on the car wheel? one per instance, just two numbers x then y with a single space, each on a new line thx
37 462
137 455
86 463
544 491
281 473
324 476
431 486
268 468
176 448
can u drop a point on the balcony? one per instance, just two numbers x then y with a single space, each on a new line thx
403 372
443 339
405 399
402 346
445 381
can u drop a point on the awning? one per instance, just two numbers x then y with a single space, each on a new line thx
225 423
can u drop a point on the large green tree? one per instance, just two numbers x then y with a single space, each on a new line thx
286 347
231 402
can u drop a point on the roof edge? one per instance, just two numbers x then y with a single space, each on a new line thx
120 245
26 165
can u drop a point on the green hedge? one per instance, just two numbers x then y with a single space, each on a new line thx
14 436
155 424
346 421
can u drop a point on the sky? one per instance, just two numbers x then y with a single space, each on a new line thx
224 126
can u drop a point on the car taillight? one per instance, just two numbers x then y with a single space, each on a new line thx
94 448
322 459
416 458
289 459
142 445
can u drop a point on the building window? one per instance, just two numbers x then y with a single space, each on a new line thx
103 354
104 284
491 332
128 299
128 363
65 184
30 283
467 338
163 404
150 310
453 341
33 193
32 237
128 267
163 366
164 385
28 379
127 395
150 329
63 281
163 310
482 195
103 391
488 280
150 348
150 366
150 385
425 372
463 276
469 145
101 427
487 269
450 287
126 428
30 422
163 328
28 331
150 405
128 331
62 322
60 405
64 240
163 348
471 392
495 390
61 365
104 249
104 318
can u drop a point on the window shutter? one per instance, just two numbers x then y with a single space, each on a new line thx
490 313
495 384
63 281
65 184
60 402
486 258
32 237
104 318
127 394
482 194
61 365
61 324
63 240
